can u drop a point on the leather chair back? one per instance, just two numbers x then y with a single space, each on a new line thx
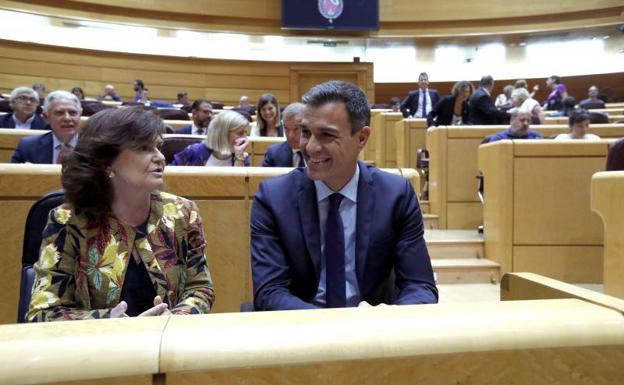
172 144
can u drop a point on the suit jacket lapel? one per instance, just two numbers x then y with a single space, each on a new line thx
365 212
287 154
308 215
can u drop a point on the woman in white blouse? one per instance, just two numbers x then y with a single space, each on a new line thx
523 102
579 124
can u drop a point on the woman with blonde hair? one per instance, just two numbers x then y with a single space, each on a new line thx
523 102
225 144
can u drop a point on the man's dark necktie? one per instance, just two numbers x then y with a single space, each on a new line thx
200 131
335 280
424 104
300 156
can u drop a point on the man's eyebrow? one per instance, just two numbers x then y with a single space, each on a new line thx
330 130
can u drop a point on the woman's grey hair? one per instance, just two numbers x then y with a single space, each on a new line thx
520 94
61 95
220 128
19 91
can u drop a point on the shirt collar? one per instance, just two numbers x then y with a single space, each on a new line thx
194 129
349 191
57 142
27 122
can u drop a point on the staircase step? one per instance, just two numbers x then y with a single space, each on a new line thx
424 207
431 221
454 244
465 270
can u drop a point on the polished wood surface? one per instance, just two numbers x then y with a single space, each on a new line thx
410 136
397 17
382 127
212 79
9 137
537 215
606 201
453 159
223 194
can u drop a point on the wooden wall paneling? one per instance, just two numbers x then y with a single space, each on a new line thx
9 138
384 137
496 162
222 80
579 264
259 146
464 215
606 201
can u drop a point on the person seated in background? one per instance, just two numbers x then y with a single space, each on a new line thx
503 100
482 110
592 102
522 101
109 94
40 89
244 105
395 104
568 107
182 98
201 110
78 92
143 97
138 86
331 234
452 110
102 252
62 110
24 102
519 128
225 144
579 125
419 103
287 154
556 96
269 122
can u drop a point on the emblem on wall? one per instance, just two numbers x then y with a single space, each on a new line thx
330 9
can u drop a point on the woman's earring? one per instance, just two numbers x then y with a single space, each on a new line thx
111 174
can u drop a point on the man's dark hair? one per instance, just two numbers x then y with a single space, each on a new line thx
423 74
354 99
197 103
577 117
556 79
182 94
85 170
487 80
140 83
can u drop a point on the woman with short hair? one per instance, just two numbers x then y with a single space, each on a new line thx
523 102
452 110
225 144
120 246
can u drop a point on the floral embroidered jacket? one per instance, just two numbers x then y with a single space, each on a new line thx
82 264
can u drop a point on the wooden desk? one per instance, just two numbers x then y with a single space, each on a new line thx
384 140
536 213
10 137
453 168
607 189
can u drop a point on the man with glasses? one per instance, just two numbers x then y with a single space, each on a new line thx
24 101
62 109
202 115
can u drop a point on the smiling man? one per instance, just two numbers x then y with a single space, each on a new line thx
338 232
62 110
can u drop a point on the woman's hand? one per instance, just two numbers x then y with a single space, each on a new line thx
240 145
160 308
119 311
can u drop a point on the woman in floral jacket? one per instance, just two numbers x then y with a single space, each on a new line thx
120 247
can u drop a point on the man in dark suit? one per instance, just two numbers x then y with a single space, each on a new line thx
24 101
332 234
287 154
62 109
482 110
420 102
202 115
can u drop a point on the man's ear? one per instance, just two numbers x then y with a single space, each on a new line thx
363 136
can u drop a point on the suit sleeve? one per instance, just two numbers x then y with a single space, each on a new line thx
407 104
268 159
486 105
431 116
414 275
269 265
18 156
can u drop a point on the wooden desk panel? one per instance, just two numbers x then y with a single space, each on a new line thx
607 189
